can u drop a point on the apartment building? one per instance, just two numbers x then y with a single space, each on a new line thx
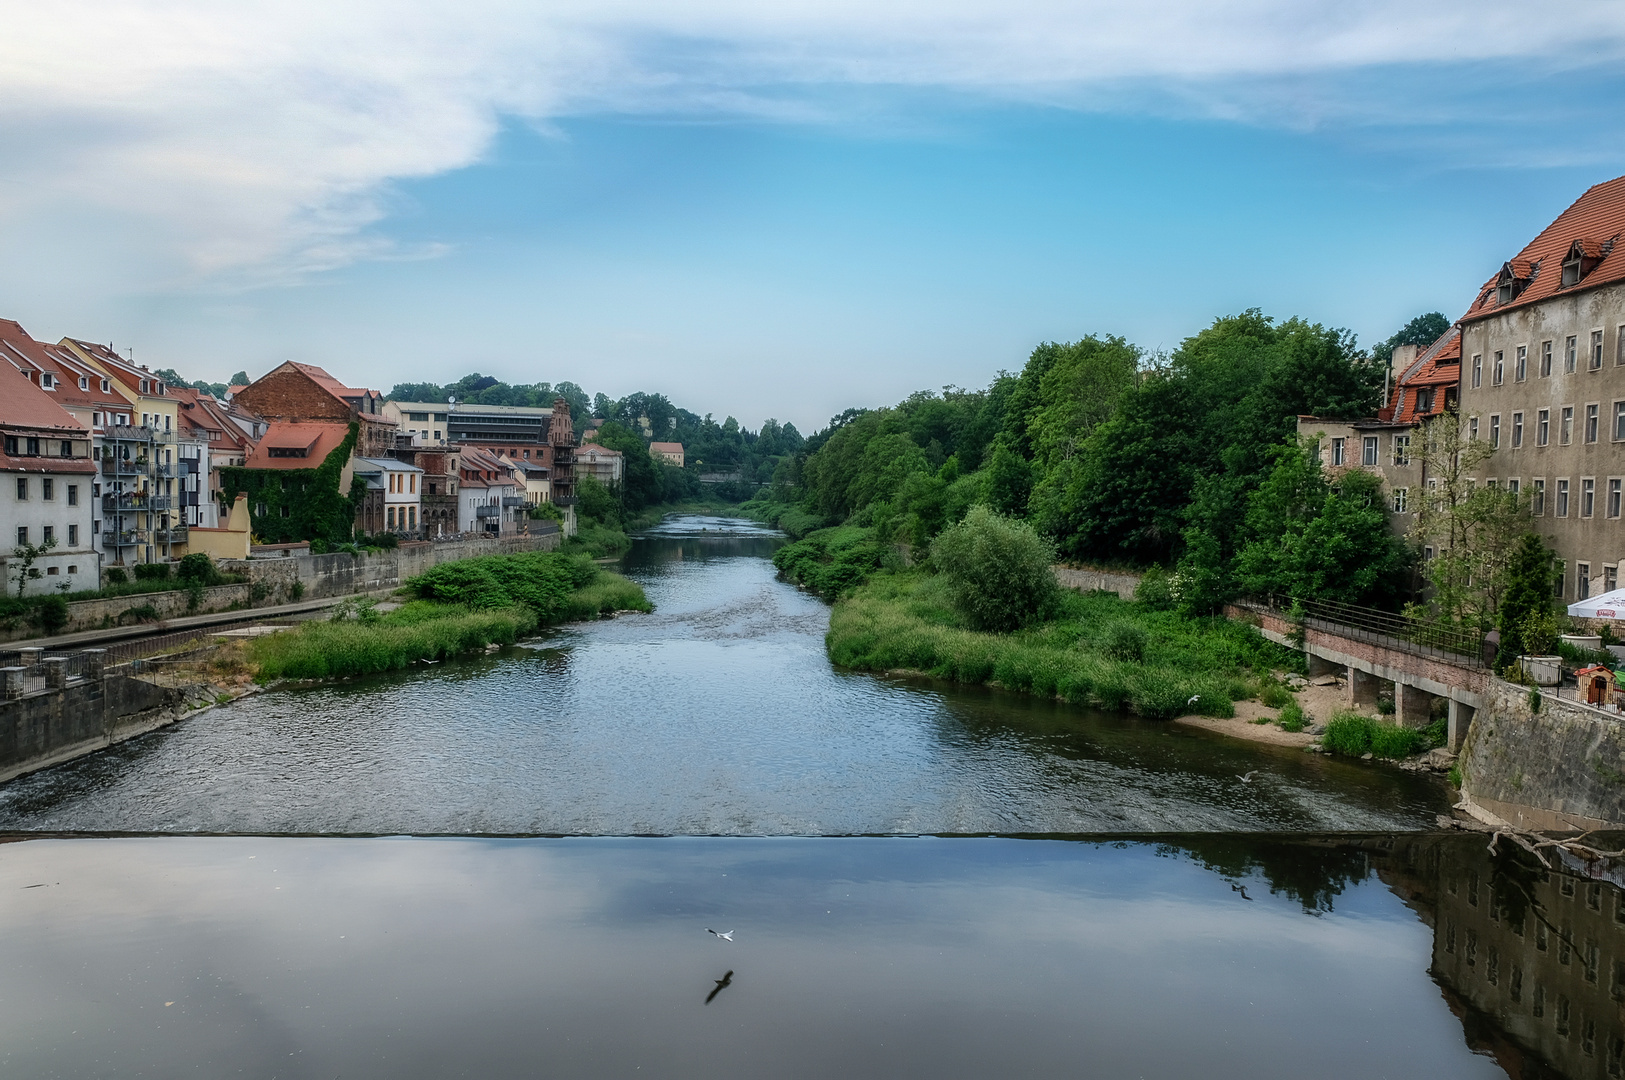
306 394
490 500
604 465
45 497
394 499
1543 383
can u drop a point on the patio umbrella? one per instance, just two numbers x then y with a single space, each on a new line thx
1610 605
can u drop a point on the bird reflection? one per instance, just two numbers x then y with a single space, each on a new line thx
726 980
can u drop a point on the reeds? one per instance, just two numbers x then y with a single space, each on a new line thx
325 650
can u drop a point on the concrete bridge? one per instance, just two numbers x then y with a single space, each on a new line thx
1369 657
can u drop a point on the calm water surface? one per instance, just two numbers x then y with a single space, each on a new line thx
717 714
1305 924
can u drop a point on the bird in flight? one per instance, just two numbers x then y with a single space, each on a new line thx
725 981
1248 778
1194 698
729 936
1242 889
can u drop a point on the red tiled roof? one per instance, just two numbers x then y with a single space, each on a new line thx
316 440
36 358
1595 223
666 447
1436 367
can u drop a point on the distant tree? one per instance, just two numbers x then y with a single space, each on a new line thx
1421 331
580 404
240 379
1528 595
998 569
641 481
24 556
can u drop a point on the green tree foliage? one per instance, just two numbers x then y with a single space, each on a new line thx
1309 537
1526 597
1421 331
642 483
22 566
997 569
540 581
831 562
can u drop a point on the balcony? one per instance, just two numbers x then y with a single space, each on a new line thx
120 538
512 501
175 534
124 466
162 469
564 500
488 511
563 455
128 500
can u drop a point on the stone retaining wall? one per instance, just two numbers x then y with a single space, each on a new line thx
1090 580
52 726
170 604
1561 767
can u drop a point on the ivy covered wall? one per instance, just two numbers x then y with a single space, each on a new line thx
287 506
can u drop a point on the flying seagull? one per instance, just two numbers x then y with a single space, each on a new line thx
729 936
1248 778
1242 889
1194 698
726 980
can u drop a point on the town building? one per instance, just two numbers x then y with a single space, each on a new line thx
533 480
398 486
1543 383
424 422
490 502
602 464
46 493
306 394
438 512
669 452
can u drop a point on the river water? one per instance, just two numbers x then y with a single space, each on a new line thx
608 792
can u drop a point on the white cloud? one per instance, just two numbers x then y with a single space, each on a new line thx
249 142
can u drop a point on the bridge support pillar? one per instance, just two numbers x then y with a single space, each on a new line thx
1461 717
1413 707
1362 688
1319 666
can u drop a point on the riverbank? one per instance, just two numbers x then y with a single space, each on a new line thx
455 608
1097 650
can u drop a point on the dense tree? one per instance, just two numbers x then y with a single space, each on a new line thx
1530 573
1421 331
642 483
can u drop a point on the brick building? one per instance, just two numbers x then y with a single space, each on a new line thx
306 394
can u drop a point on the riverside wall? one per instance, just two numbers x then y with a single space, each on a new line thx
1561 767
48 726
1087 579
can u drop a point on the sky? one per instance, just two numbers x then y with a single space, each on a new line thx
772 209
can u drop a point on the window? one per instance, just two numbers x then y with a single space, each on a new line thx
1571 348
107 387
414 490
1543 427
1562 498
22 489
1337 452
1565 426
1591 423
1537 499
1495 432
22 535
1368 450
1582 580
67 448
1520 368
1478 370
1400 495
1517 430
1402 449
1499 369
1614 497
32 447
73 568
73 494
391 513
1514 485
1588 496
284 511
1472 428
259 509
1545 359
47 488
48 534
1596 349
73 541
47 381
1558 574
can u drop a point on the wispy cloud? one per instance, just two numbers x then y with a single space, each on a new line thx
257 142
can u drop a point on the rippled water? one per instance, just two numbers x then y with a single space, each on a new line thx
717 714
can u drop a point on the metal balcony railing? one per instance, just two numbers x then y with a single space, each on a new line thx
163 469
120 538
127 500
564 500
488 511
512 500
124 466
1387 630
175 534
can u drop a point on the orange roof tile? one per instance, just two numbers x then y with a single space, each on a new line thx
1594 224
315 440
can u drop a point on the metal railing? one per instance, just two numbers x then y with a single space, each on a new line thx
487 511
124 466
513 500
1387 630
176 534
163 469
122 538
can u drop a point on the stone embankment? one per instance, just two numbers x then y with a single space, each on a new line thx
273 581
1557 766
1088 579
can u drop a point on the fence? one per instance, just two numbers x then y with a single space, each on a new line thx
1386 630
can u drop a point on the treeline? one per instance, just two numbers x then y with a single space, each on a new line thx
1188 462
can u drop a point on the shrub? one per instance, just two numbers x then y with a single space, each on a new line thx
1353 735
1292 717
832 562
116 575
1385 706
1124 641
51 614
1155 589
1275 696
152 572
997 569
196 567
296 590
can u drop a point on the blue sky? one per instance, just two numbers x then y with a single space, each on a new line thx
761 236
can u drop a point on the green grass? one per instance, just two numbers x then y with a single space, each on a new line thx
905 622
1353 735
461 606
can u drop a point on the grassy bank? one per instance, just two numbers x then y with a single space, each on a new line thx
460 607
787 518
1097 650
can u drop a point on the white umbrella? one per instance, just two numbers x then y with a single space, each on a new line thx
1609 605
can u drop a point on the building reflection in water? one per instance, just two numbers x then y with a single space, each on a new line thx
1532 959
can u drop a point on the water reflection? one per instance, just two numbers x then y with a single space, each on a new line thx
718 714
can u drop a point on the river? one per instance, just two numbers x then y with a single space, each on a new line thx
508 866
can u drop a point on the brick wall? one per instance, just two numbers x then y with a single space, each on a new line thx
289 395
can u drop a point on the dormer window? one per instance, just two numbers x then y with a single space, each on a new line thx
143 386
47 380
1583 256
84 382
1514 279
107 387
